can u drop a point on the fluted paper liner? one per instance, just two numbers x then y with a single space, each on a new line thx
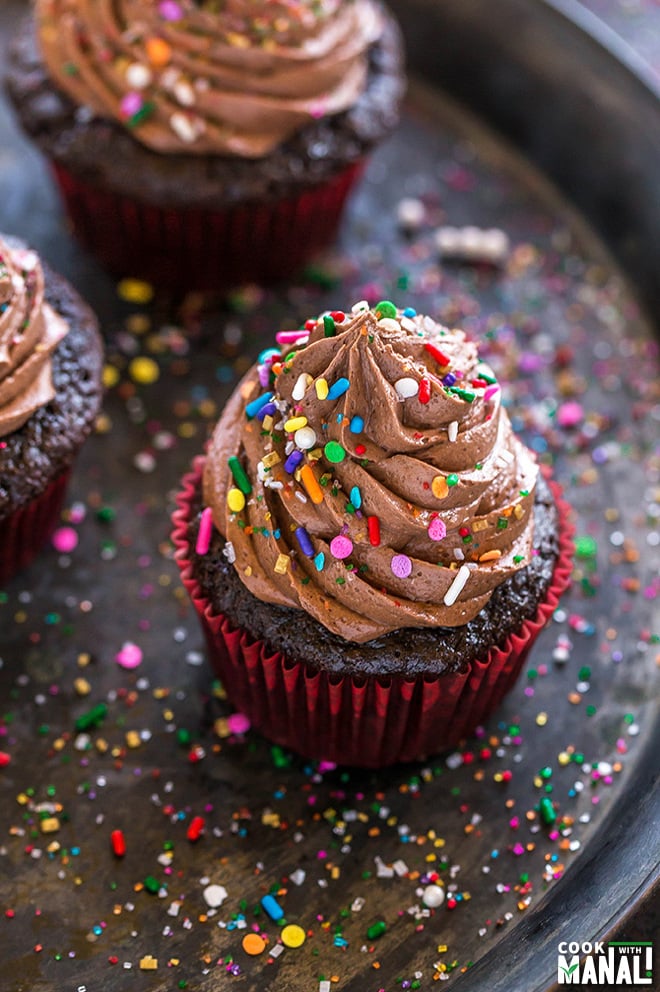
204 249
362 721
24 532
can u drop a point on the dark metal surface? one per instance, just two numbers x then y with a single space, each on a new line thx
561 324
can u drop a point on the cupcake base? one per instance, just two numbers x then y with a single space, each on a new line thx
24 533
361 720
205 249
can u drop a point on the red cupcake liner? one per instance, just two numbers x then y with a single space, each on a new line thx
364 721
203 249
25 531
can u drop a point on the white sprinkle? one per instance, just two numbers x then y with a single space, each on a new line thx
406 388
410 213
408 325
389 324
186 128
184 93
505 456
301 385
276 950
452 431
457 586
459 554
305 438
138 76
214 895
301 496
298 876
360 307
433 896
357 904
229 552
400 867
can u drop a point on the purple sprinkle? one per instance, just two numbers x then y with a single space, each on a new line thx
401 565
293 461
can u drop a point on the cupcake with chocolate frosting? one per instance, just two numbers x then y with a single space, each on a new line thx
370 547
50 392
200 144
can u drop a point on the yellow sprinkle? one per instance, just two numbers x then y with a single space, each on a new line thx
490 555
293 936
294 424
144 370
135 291
439 487
518 511
235 500
132 738
322 389
272 459
50 825
267 423
479 525
148 963
82 687
110 376
541 719
564 758
282 564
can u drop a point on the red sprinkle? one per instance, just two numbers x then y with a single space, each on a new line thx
360 449
424 394
4 759
373 524
196 828
338 316
310 324
118 843
439 356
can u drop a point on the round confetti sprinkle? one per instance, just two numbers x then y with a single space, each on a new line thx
341 546
293 935
433 896
334 452
65 539
305 438
401 566
238 723
214 895
406 388
437 529
385 309
253 944
130 656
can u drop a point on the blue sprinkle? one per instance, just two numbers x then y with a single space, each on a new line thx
409 312
338 389
266 354
319 561
357 425
277 534
449 379
267 410
272 907
340 417
304 541
356 497
253 408
293 461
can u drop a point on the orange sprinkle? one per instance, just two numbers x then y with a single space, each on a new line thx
308 480
158 51
253 944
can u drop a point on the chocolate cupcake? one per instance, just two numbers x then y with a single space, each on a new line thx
200 145
50 393
371 549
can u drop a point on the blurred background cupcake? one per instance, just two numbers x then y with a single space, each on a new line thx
197 147
50 394
371 549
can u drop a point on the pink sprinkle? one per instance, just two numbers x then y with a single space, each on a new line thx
170 11
65 539
327 766
204 533
570 414
490 392
130 656
238 723
401 565
291 337
518 849
130 104
437 529
341 547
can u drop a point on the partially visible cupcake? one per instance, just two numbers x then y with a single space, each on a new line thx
199 145
50 393
370 548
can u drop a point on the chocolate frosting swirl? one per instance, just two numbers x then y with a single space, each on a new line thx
382 484
29 333
235 78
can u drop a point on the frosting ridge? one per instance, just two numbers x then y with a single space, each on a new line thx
235 78
30 330
368 474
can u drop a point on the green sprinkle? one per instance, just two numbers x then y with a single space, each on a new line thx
584 674
547 811
151 884
376 930
240 478
502 523
329 328
146 110
385 309
92 718
586 547
463 394
334 452
452 480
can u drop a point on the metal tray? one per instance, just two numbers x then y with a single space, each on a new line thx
566 323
